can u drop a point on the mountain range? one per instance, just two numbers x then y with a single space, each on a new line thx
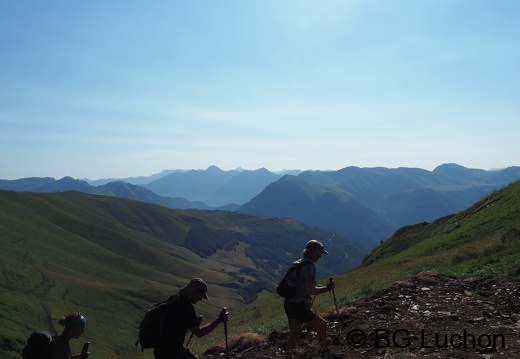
362 204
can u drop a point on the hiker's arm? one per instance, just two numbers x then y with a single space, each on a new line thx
199 331
312 289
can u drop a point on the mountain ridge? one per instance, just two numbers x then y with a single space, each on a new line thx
385 198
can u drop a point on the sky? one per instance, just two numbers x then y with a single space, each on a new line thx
123 88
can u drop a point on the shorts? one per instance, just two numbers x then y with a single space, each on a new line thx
299 311
182 353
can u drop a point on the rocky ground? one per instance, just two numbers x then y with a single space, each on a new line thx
428 316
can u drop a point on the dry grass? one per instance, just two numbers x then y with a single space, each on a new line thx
240 342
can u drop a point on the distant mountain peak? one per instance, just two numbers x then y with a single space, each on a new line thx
213 168
448 166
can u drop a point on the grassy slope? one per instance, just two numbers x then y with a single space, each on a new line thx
482 240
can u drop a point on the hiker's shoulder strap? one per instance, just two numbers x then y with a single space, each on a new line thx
300 263
59 344
58 340
168 303
300 266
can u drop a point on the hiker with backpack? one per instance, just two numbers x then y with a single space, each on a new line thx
179 316
298 306
73 327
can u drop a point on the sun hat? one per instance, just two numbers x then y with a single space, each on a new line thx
314 244
194 287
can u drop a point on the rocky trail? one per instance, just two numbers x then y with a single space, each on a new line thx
427 316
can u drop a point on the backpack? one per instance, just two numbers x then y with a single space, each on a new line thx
38 345
289 283
151 327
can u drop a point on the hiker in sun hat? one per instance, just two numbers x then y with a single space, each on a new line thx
180 316
298 308
195 288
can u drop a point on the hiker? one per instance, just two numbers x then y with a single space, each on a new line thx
180 316
298 308
73 327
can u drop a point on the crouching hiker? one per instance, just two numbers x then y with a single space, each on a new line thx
73 327
298 308
179 317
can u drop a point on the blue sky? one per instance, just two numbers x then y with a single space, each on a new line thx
110 89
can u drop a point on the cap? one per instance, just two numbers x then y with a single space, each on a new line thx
314 244
194 287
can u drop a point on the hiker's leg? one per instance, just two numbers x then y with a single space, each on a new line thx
297 314
321 327
160 353
295 329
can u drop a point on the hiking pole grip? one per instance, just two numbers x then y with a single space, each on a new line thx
224 310
84 350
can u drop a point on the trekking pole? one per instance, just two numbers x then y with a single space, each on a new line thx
189 340
84 350
224 310
331 279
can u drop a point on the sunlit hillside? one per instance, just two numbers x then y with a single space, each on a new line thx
111 258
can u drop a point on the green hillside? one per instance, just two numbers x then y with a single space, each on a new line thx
111 258
482 240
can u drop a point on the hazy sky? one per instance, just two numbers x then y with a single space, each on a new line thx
120 88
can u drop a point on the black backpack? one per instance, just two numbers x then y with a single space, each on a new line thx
289 283
38 345
151 327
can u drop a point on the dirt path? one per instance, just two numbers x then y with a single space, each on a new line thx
428 316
